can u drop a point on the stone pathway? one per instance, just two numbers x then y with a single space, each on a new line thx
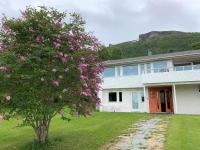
143 135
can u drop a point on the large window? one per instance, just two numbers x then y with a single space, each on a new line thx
160 66
112 97
109 72
130 70
181 67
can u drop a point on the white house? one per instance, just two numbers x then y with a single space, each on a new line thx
155 83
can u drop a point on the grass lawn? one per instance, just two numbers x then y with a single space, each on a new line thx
183 133
79 134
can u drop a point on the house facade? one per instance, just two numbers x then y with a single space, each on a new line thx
167 83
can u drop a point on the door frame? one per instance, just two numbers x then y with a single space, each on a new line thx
155 101
138 96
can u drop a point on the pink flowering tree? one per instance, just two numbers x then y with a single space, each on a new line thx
47 63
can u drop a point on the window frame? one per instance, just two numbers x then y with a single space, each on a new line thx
109 97
159 69
120 97
132 65
110 75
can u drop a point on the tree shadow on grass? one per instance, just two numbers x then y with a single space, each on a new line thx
53 143
67 141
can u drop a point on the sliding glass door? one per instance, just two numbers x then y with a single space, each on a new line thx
136 100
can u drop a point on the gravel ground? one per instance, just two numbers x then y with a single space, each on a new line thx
143 135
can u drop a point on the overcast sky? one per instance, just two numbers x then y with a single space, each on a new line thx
116 21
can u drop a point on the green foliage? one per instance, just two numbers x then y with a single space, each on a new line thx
103 53
159 45
196 45
46 62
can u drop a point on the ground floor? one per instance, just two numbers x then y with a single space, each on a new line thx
169 98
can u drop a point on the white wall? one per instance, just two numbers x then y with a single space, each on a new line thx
125 105
171 77
133 81
188 99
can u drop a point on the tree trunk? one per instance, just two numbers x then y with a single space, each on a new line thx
42 131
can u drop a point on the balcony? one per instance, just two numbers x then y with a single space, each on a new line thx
178 74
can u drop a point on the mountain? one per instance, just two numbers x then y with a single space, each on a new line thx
158 41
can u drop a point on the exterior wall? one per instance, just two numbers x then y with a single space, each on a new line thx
122 82
188 99
171 77
125 105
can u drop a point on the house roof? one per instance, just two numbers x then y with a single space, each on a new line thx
157 57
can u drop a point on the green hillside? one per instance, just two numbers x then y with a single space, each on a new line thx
161 42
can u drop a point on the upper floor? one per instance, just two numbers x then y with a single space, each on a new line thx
156 69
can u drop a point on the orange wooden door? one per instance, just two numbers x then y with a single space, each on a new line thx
155 99
154 102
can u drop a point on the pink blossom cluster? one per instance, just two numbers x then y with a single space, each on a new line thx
55 83
63 57
57 42
8 98
7 30
90 77
82 41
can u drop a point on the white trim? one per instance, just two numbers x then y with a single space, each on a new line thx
174 98
145 100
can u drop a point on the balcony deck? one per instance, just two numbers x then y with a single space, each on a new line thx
164 76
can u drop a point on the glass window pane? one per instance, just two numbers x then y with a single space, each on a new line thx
160 66
120 96
188 67
196 67
112 97
130 70
118 71
148 68
109 72
142 69
179 68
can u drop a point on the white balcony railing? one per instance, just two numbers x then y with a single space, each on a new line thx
175 68
187 67
157 76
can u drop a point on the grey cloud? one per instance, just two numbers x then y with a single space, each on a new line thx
115 21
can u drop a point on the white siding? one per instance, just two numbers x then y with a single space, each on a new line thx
188 99
125 105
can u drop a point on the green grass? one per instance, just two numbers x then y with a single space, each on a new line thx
79 134
183 133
